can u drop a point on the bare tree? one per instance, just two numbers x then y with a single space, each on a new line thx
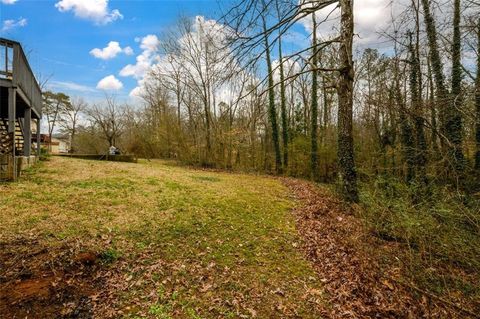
196 47
70 117
109 118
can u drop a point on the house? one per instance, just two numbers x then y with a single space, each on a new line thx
59 144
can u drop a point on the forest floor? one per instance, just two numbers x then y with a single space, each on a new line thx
88 239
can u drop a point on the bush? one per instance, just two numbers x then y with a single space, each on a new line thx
439 229
44 154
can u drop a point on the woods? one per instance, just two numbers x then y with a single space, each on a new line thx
225 94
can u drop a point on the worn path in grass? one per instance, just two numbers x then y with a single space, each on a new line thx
151 240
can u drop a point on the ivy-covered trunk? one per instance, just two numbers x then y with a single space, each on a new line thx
477 101
346 163
417 108
314 104
450 116
454 119
271 104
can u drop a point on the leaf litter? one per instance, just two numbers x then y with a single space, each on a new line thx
347 258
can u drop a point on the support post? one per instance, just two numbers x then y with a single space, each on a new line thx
27 132
38 138
12 109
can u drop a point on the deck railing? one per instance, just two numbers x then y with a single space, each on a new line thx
6 59
15 67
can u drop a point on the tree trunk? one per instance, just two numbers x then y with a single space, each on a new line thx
283 106
437 66
347 172
323 137
271 104
406 132
407 144
477 102
450 118
417 107
454 116
207 127
179 103
314 104
433 112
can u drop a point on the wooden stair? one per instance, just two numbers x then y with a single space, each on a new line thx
6 145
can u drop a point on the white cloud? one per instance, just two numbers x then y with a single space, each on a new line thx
149 44
138 69
94 10
290 67
110 83
128 51
9 1
371 17
110 51
12 24
70 86
137 92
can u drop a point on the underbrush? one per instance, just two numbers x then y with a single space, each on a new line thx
44 154
434 234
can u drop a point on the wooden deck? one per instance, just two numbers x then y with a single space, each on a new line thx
20 108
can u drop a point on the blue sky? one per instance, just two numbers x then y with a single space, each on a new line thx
57 36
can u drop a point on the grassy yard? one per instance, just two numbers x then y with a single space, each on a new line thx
178 243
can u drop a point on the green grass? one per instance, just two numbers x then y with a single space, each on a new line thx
197 244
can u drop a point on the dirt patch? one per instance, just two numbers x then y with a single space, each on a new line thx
347 259
54 281
28 289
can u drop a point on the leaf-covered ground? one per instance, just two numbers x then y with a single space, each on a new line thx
150 240
364 276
